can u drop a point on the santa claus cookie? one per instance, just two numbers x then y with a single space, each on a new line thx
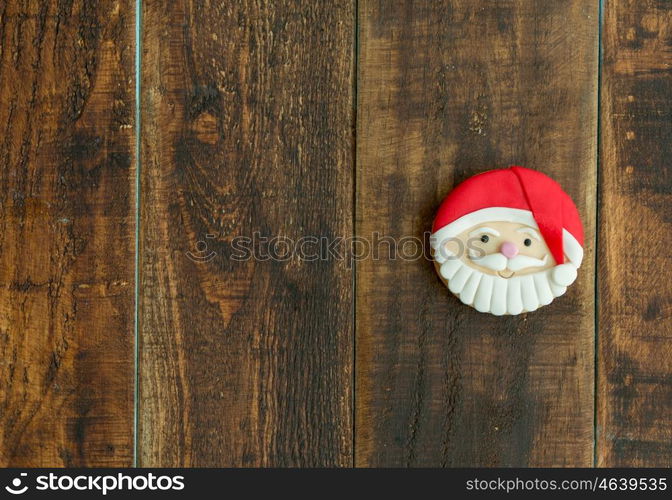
507 241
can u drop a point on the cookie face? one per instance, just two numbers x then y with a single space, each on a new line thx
504 249
507 241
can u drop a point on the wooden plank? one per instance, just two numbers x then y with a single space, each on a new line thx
66 233
248 127
635 236
447 89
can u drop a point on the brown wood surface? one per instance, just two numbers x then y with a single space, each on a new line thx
634 389
448 89
297 118
66 233
248 126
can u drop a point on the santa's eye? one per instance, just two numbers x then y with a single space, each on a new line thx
527 242
485 238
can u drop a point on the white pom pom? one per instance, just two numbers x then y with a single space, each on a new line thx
564 274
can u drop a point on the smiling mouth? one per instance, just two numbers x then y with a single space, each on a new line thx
506 273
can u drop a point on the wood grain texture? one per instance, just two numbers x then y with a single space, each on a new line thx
66 233
448 89
248 127
635 237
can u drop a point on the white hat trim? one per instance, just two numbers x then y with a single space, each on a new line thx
571 247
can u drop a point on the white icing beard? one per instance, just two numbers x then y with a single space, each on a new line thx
497 295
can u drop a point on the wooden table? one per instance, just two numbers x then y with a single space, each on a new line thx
132 332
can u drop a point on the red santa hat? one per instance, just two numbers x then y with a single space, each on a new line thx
514 194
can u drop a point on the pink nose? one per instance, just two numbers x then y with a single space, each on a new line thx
509 250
